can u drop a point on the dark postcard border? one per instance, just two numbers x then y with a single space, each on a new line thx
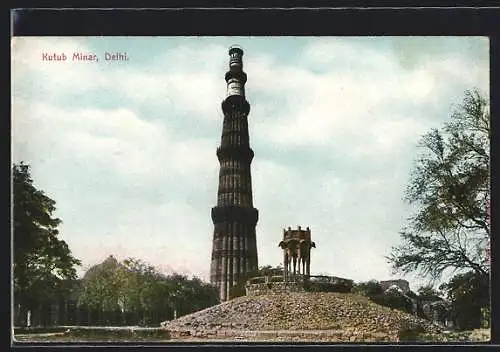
494 166
257 3
284 22
256 22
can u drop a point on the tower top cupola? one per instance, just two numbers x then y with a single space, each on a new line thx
235 79
235 58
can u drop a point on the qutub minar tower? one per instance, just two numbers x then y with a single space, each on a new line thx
234 251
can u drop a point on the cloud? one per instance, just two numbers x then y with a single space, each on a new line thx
416 51
121 160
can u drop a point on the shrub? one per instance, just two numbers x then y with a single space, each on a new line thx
369 288
393 300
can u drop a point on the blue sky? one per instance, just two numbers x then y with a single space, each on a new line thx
127 149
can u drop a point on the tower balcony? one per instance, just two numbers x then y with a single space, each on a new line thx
235 102
240 153
247 215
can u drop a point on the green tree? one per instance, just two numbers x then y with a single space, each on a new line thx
140 294
202 295
393 299
428 292
148 291
101 289
128 294
369 288
129 288
449 187
42 261
390 298
470 296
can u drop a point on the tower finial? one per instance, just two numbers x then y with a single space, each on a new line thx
236 58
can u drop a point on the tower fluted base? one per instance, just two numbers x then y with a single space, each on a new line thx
234 254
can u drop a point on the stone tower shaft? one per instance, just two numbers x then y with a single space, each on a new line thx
234 249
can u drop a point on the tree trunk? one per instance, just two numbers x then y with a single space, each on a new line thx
18 316
23 316
37 319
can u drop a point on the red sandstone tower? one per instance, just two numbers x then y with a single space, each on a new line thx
234 251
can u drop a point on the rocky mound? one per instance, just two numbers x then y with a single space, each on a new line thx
340 316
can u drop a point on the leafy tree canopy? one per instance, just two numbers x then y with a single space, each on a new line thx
449 187
469 293
392 298
42 261
368 288
133 286
428 292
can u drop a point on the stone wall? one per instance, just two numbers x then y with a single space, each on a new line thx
274 287
284 335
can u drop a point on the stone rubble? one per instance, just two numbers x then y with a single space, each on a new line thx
317 316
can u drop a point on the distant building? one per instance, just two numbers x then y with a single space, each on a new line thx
402 284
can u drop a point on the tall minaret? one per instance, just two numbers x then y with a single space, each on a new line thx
234 251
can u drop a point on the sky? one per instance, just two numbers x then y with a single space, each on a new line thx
127 148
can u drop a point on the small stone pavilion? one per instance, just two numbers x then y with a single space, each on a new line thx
296 245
